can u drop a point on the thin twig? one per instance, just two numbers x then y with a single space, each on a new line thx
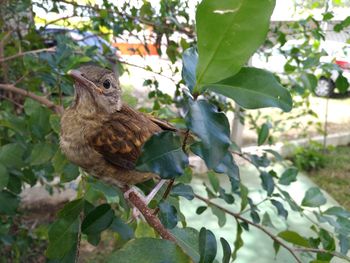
46 102
238 216
21 54
319 250
151 219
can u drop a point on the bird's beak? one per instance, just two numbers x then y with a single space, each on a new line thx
79 77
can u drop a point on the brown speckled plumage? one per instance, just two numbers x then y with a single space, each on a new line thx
103 135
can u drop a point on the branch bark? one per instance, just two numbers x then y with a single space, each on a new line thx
21 54
44 101
151 219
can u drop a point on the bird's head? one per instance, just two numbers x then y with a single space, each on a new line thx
96 89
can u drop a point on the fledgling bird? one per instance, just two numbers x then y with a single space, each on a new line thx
102 134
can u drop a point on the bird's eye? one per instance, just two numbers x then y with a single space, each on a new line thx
106 84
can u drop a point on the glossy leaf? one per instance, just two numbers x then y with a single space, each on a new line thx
280 209
183 190
187 239
267 182
168 214
98 220
149 250
207 246
254 88
163 155
189 62
294 238
212 128
226 249
228 35
288 176
263 134
313 198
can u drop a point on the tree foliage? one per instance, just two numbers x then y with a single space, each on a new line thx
214 58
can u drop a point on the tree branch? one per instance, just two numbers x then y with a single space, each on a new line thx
46 102
21 54
151 219
239 217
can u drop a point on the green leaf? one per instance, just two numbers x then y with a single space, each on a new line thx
238 242
4 177
214 181
201 209
289 176
244 196
280 209
189 62
337 211
187 239
9 203
149 250
212 128
226 249
41 153
344 243
98 220
124 230
55 123
168 214
267 182
220 215
63 236
228 35
263 134
183 190
71 210
144 230
162 154
309 81
254 88
313 198
230 168
342 84
11 155
294 238
207 246
266 221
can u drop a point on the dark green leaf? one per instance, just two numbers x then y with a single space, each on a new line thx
224 45
125 231
238 242
267 182
71 210
230 168
212 128
244 197
63 236
201 209
280 209
149 250
4 176
294 238
183 190
226 250
41 153
289 176
55 123
187 239
342 84
263 134
98 220
11 155
309 80
189 62
337 211
9 203
276 247
168 214
207 246
162 154
313 198
254 88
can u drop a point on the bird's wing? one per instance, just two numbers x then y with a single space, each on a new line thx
121 137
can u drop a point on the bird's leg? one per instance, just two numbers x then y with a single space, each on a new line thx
147 199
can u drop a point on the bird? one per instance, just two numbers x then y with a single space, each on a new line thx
102 134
